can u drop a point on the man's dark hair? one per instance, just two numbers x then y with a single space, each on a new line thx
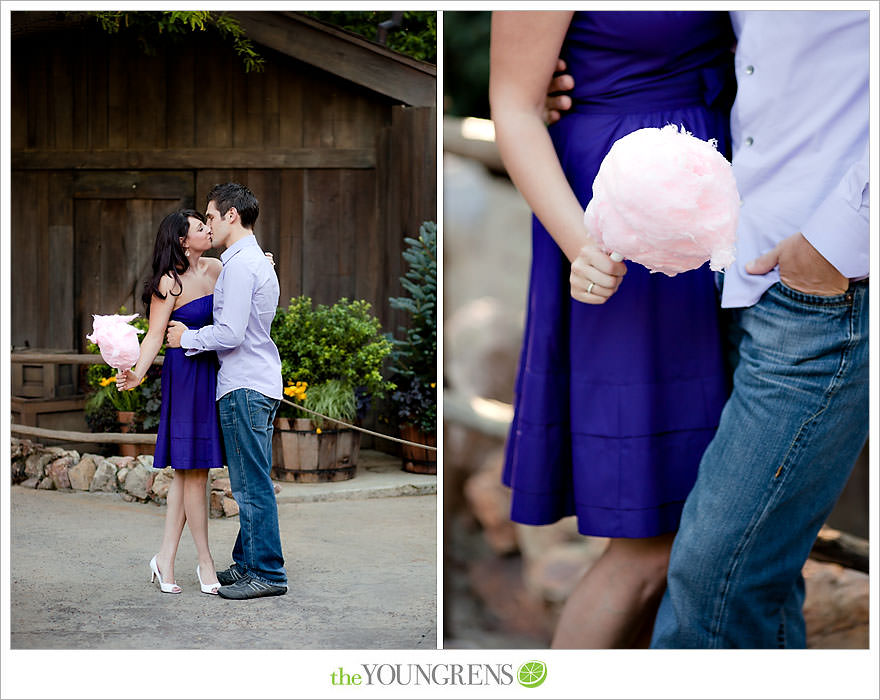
231 194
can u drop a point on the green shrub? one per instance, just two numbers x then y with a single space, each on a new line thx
332 398
414 357
342 343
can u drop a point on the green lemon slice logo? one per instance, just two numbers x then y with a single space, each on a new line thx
532 673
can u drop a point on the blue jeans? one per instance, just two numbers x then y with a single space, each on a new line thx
246 420
788 438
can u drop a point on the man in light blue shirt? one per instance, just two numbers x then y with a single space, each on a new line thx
798 317
249 388
800 146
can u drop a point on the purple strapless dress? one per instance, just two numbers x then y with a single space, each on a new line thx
189 428
616 403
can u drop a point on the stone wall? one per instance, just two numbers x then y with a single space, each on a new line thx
57 469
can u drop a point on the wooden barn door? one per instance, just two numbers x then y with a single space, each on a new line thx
116 216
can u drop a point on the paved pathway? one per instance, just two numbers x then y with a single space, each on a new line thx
361 562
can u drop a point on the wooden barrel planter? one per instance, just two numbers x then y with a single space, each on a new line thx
300 453
418 460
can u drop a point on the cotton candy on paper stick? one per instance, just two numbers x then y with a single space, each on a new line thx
667 200
116 339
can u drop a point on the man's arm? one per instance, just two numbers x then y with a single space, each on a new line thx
834 245
838 228
227 331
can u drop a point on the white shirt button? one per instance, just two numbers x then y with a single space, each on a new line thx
749 141
750 70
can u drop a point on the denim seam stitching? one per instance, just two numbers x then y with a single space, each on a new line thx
250 534
814 301
733 565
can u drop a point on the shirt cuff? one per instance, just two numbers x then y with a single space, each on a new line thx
839 229
840 234
189 342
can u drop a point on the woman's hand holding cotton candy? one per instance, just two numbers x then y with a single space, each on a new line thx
127 380
595 277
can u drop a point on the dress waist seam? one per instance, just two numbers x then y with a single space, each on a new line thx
590 108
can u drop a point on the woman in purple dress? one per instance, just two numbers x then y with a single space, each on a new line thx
621 380
181 288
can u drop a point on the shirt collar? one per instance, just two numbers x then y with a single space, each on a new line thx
246 242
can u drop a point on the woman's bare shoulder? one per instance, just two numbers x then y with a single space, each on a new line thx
167 284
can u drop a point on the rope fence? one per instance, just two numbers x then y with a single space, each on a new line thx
65 358
142 438
363 430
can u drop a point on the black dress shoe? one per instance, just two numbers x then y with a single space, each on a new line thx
249 587
230 575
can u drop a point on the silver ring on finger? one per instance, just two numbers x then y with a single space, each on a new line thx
590 287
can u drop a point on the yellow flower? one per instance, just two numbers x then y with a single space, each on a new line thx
297 390
318 431
108 381
433 384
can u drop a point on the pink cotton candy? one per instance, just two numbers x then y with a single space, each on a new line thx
117 341
667 200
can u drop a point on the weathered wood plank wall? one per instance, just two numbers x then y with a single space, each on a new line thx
106 141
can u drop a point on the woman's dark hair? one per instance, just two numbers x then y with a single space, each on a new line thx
231 194
168 254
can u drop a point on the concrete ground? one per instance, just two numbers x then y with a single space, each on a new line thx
361 559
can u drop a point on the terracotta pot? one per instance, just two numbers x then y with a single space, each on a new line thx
130 449
418 460
300 453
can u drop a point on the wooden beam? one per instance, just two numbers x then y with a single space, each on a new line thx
62 358
194 159
132 184
841 548
346 55
487 416
75 436
28 23
456 140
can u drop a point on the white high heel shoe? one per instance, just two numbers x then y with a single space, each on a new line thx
164 586
209 588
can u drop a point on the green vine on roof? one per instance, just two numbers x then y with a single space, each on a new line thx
150 26
416 37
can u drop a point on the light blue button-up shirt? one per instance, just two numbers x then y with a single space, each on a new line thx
800 140
245 302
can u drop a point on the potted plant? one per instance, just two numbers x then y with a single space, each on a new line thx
414 357
109 410
331 361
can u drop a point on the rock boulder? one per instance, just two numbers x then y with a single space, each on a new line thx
81 474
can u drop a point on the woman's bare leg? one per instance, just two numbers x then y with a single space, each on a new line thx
617 598
643 638
175 517
196 506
